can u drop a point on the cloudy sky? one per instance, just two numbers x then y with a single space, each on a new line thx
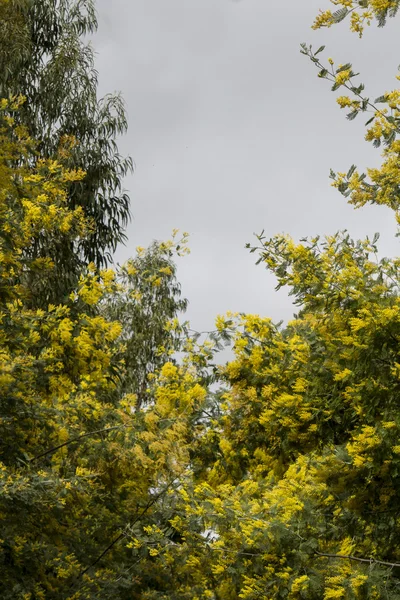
232 132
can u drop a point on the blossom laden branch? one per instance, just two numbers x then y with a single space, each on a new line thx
376 185
362 13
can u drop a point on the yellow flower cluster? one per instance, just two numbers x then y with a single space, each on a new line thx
358 18
343 77
324 19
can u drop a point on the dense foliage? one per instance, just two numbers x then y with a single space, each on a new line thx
78 466
123 473
45 56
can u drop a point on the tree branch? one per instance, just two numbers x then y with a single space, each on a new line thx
356 558
85 435
77 439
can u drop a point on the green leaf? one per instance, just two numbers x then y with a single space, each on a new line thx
351 171
352 115
340 14
304 49
345 67
375 238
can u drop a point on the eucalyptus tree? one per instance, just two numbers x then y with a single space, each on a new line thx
46 56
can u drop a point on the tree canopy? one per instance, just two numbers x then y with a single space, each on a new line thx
131 465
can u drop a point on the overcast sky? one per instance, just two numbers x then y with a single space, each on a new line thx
232 132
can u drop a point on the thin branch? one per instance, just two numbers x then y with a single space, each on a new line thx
97 431
237 552
350 87
77 439
109 547
356 558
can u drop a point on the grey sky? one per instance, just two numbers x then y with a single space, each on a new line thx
232 132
